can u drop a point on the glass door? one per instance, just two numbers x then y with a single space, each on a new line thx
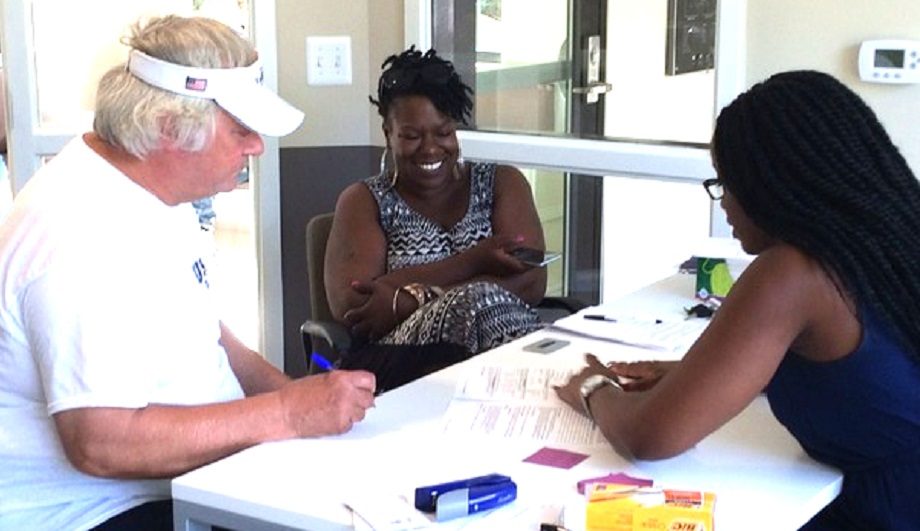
660 89
521 86
620 76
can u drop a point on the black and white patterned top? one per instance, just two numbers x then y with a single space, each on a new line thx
413 239
478 315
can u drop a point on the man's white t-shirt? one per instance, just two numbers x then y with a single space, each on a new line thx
104 302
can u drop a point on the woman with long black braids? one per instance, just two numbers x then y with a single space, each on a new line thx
827 317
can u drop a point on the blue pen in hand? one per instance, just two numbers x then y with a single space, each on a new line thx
321 362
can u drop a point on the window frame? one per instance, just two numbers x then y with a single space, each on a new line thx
611 157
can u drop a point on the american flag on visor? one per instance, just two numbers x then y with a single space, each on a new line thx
194 83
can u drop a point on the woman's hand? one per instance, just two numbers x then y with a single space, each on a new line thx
373 319
492 256
632 376
570 392
640 375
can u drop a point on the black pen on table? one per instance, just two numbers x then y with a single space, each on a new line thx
597 317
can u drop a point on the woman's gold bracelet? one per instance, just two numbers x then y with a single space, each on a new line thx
420 292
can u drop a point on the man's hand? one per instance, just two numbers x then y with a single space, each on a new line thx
328 403
165 441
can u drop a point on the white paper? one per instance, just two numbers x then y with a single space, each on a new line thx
670 335
530 384
385 513
559 424
518 403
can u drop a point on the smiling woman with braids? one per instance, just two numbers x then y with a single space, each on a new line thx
419 254
826 319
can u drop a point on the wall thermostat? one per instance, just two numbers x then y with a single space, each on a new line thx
890 61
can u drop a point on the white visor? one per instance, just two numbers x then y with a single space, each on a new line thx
238 91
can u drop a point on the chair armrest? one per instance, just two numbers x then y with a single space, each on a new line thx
333 333
562 303
327 338
552 308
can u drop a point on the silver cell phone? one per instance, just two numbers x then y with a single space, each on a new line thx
545 346
535 257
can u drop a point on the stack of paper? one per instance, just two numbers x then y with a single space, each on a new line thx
673 335
518 403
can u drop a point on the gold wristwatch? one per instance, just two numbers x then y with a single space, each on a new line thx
590 385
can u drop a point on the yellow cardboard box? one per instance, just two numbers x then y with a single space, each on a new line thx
628 508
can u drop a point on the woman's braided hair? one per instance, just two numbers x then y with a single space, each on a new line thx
413 73
811 165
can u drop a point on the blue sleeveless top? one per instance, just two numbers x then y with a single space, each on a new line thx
860 414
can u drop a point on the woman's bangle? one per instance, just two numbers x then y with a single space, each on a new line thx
417 291
420 292
434 292
396 302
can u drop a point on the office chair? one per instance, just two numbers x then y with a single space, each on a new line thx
323 335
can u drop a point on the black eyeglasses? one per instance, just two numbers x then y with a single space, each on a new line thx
714 188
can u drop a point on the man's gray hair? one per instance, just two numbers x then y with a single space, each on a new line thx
139 117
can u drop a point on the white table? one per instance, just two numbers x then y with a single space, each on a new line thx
762 478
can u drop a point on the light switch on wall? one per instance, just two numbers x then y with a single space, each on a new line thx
329 60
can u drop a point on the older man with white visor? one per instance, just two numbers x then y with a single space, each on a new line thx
116 373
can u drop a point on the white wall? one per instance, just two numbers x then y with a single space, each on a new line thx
385 22
645 103
825 35
782 35
333 117
336 115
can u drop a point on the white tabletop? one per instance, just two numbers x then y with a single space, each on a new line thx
761 476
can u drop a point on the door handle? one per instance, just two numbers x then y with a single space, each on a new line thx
594 87
593 90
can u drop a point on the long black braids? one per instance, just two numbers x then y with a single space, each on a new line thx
413 73
811 165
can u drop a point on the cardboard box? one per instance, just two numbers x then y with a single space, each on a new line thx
628 508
